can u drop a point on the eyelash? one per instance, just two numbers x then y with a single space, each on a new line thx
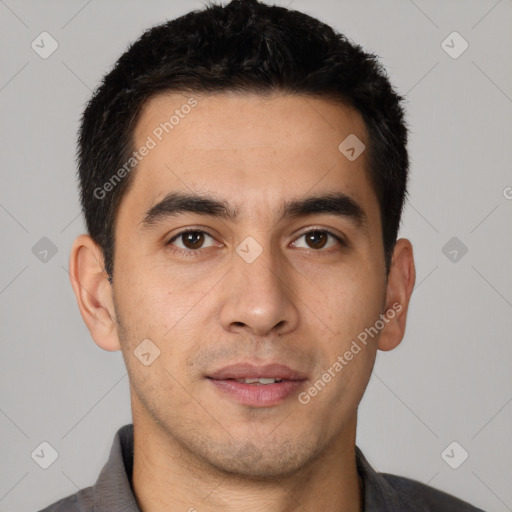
191 253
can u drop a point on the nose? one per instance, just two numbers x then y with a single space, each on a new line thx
259 297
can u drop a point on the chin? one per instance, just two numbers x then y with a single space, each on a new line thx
263 463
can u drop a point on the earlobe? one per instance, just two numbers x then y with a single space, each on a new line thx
93 292
401 279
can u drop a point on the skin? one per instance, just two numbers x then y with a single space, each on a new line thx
295 304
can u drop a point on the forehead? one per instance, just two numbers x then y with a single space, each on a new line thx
214 122
250 149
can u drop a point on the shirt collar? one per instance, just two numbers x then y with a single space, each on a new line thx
113 490
378 495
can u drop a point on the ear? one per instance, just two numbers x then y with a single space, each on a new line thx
401 279
93 292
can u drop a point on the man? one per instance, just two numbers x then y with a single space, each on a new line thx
243 171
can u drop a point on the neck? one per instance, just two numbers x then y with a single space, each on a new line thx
167 476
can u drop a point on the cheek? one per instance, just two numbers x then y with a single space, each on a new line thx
171 320
153 320
351 311
349 354
153 299
350 301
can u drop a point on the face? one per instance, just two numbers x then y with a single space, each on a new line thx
253 284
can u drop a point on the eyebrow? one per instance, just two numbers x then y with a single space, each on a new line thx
175 203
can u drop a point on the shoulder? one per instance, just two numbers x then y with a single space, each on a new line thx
419 497
82 501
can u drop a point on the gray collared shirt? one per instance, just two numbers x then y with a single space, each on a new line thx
112 491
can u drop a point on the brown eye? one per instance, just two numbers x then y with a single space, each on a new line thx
318 239
191 240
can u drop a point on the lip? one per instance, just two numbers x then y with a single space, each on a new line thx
257 395
250 371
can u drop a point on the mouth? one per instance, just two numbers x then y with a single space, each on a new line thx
260 380
263 386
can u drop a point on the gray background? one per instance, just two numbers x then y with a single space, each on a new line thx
450 379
